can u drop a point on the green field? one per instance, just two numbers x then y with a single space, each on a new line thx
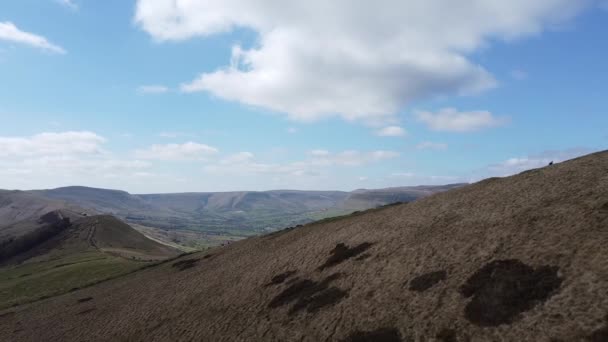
31 281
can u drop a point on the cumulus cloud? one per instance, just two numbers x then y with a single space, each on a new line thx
152 89
64 158
11 33
429 145
50 143
319 160
186 151
452 120
359 60
391 131
319 153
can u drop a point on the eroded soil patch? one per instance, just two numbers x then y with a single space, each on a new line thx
309 295
363 257
185 264
86 299
503 289
7 314
342 252
280 278
84 312
427 280
380 335
447 335
600 335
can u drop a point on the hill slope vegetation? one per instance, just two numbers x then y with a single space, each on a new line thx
206 219
62 251
523 258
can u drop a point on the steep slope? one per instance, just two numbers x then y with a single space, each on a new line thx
523 258
16 206
62 251
365 199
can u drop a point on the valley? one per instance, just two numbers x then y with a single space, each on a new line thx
520 258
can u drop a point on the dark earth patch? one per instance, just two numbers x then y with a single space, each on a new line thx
207 256
503 289
599 335
380 335
315 303
83 312
342 252
86 299
185 264
309 295
7 314
427 280
363 257
280 278
447 335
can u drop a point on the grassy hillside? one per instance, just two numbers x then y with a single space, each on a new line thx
522 258
59 256
16 206
199 220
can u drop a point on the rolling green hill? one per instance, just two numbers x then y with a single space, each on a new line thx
62 251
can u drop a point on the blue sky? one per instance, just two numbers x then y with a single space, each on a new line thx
169 96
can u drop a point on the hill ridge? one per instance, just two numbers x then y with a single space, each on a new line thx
522 258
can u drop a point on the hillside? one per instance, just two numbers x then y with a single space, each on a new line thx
16 206
523 258
212 218
62 251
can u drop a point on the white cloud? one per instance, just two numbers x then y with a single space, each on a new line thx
429 145
360 60
516 165
152 89
63 143
238 158
319 153
292 130
319 160
186 151
68 3
9 32
58 159
391 131
451 120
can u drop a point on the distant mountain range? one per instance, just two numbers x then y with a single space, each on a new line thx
213 217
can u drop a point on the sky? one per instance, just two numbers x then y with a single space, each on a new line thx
156 96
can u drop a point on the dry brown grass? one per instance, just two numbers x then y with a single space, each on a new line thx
540 237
